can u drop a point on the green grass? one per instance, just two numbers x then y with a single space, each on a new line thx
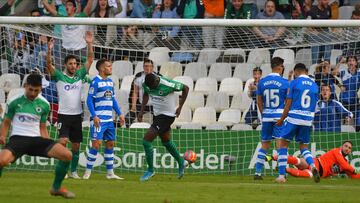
33 187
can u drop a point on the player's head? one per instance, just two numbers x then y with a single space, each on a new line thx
70 64
152 81
237 4
277 65
270 8
257 73
325 92
355 14
148 66
33 86
300 69
346 147
70 6
104 67
352 63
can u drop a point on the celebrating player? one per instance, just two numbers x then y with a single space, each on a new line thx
101 101
271 95
68 85
27 114
161 92
299 113
329 164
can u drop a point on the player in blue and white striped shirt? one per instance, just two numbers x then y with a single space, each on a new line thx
271 95
101 101
299 112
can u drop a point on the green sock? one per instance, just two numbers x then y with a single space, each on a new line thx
149 154
60 172
74 161
170 146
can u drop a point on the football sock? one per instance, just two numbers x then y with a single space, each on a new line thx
149 154
91 159
308 157
60 172
260 161
109 160
74 161
293 160
282 160
298 173
170 146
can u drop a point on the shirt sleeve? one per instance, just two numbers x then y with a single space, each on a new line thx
93 89
57 75
81 73
343 111
10 110
344 165
45 114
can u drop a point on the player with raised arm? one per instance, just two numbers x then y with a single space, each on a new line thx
68 84
329 164
27 114
296 120
271 95
101 102
161 92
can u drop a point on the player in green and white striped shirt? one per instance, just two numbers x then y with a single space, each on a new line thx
27 114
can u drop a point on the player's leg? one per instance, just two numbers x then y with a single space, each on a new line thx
76 138
6 157
266 137
306 173
96 135
16 147
109 136
300 163
150 135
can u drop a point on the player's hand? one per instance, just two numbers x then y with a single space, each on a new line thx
50 44
140 117
89 37
178 111
122 119
96 121
279 122
2 140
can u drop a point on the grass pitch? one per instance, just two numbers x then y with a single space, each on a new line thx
34 187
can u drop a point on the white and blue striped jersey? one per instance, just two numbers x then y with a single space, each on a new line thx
273 89
304 93
101 99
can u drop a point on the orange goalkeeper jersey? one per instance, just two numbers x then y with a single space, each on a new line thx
334 157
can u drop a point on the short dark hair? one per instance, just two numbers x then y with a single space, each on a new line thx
300 67
147 60
69 57
355 12
276 61
151 80
353 57
348 142
72 1
35 10
34 80
257 69
326 85
100 62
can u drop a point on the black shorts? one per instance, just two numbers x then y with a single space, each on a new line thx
33 146
162 123
70 126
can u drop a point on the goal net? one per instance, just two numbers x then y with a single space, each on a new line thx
216 59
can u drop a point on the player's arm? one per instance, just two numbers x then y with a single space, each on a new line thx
43 131
4 130
185 92
90 103
344 165
134 98
260 103
143 104
49 66
90 51
87 9
51 8
285 112
344 112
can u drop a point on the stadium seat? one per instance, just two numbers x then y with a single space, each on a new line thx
287 69
171 69
216 126
195 100
334 54
14 92
204 116
242 127
218 100
347 129
147 117
231 86
159 55
186 80
304 56
236 101
345 12
195 70
259 56
122 68
184 117
287 54
312 69
209 56
191 126
122 97
206 85
92 70
140 125
234 56
266 69
9 81
4 64
2 96
116 81
140 67
260 5
245 102
230 117
126 83
243 71
220 71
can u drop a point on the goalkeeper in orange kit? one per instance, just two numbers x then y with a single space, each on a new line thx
331 163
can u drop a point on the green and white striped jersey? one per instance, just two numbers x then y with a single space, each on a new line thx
163 97
26 115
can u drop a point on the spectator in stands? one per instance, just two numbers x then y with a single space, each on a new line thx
167 36
251 116
73 41
324 76
6 7
352 48
287 7
237 9
49 91
270 35
142 9
130 41
191 9
21 63
213 36
329 112
105 34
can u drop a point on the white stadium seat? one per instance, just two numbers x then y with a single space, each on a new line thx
122 68
287 54
195 70
218 100
186 80
140 125
9 81
126 83
230 117
304 56
209 56
191 126
159 55
206 85
347 129
259 56
195 100
184 117
219 71
14 92
231 86
243 71
241 127
204 116
171 69
216 126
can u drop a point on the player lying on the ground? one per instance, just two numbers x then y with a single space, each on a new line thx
329 164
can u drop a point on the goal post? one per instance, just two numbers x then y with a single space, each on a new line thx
202 54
